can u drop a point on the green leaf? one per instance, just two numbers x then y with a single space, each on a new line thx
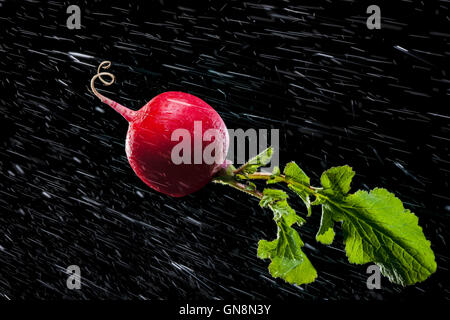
276 171
298 182
295 173
260 160
275 177
272 195
287 213
288 260
250 186
326 233
277 201
318 201
377 228
303 195
336 181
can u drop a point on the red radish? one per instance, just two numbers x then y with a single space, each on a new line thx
149 139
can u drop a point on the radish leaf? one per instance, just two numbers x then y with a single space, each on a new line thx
326 233
253 164
295 174
288 260
377 228
336 181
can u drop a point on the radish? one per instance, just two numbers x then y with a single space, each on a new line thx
149 141
376 226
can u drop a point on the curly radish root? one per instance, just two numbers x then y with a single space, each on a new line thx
154 132
124 111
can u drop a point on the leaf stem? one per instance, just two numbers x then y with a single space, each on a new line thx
268 176
232 182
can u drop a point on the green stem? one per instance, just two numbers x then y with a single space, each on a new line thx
242 187
228 177
267 176
230 180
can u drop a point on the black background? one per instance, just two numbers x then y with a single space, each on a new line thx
338 92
